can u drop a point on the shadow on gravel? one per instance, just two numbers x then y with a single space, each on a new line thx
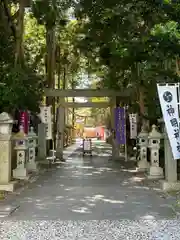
93 189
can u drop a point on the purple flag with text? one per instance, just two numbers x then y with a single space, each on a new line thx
120 125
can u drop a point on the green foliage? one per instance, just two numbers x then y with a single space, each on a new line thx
137 42
20 87
51 12
34 43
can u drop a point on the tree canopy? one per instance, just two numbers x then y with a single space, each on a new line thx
136 43
122 44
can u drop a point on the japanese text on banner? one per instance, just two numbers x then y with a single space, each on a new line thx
133 125
169 106
46 118
120 125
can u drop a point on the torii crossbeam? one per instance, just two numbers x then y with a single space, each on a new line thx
85 93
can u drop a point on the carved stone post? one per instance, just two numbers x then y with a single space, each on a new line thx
143 164
42 148
32 143
155 171
170 183
6 123
22 155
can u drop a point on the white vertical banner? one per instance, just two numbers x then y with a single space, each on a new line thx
169 106
46 117
133 125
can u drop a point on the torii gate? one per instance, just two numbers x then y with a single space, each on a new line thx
112 94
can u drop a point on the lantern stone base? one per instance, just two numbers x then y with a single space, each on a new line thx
46 162
59 155
8 187
143 166
155 173
132 159
170 186
21 173
52 153
32 166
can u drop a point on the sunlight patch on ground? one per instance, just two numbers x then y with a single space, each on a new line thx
69 189
59 197
148 217
136 179
112 201
125 183
91 204
81 210
100 147
29 200
102 198
105 154
105 169
85 167
141 187
97 172
157 189
129 170
41 206
61 185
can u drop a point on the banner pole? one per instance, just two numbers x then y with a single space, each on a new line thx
126 157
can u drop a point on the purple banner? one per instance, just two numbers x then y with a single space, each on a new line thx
120 125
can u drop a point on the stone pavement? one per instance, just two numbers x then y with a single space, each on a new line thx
91 198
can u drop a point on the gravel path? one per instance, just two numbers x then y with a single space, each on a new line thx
91 199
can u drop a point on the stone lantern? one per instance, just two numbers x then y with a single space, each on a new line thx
143 164
155 172
6 123
21 147
32 144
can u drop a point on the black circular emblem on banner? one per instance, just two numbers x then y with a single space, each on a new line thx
168 96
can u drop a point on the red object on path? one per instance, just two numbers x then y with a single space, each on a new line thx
100 132
89 132
24 121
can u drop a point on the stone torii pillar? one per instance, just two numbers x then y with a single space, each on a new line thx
171 182
115 146
60 131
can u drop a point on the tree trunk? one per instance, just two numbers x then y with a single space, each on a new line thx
50 72
64 78
50 61
177 66
19 51
64 84
73 111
